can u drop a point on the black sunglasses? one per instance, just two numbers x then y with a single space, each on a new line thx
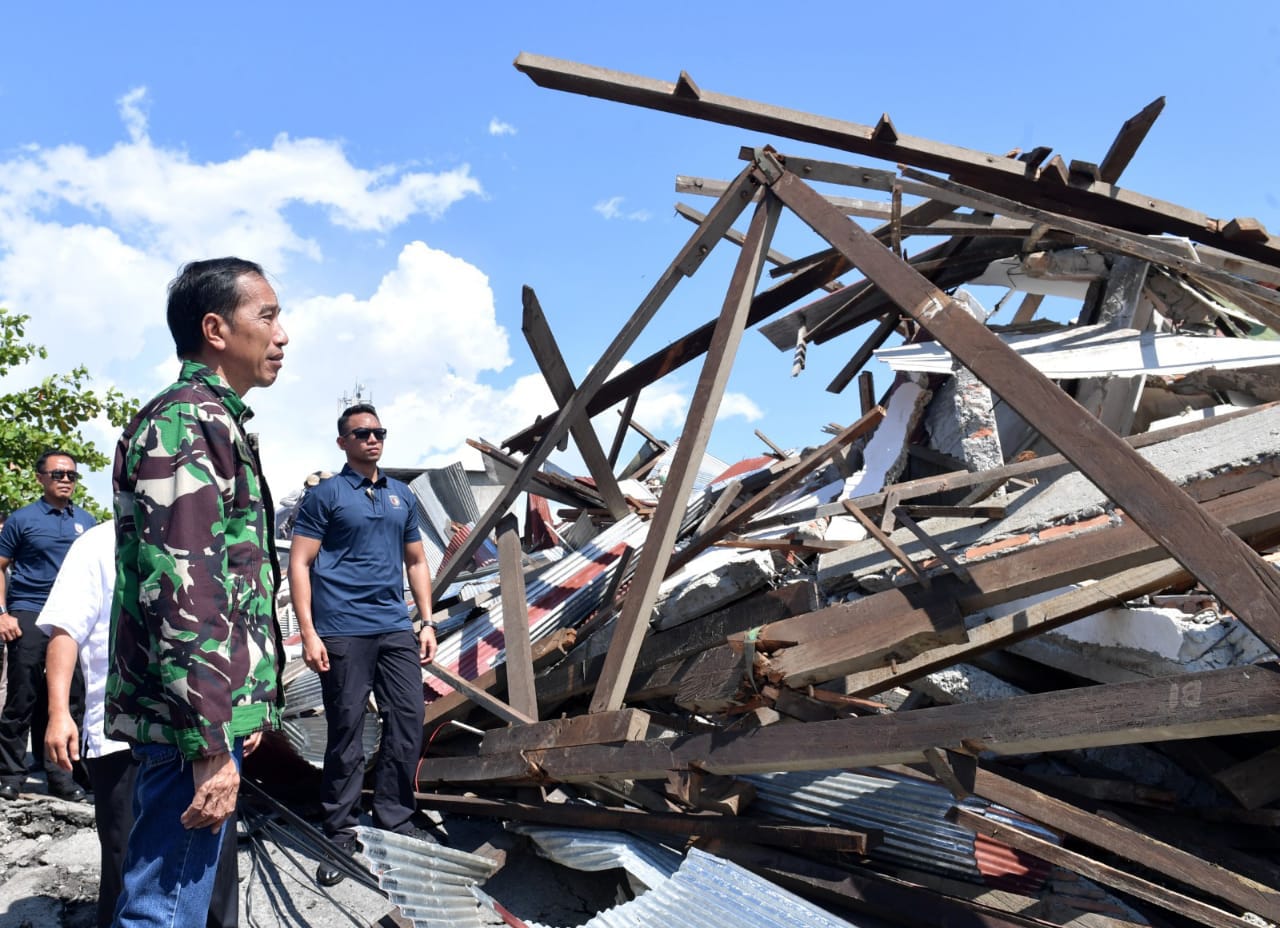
71 475
363 434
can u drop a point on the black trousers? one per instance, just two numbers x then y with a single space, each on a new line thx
112 776
387 666
26 704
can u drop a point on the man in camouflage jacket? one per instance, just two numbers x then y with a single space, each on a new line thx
195 646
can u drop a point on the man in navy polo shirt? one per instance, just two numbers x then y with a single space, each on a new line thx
355 539
32 545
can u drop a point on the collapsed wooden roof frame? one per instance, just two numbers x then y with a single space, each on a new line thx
609 742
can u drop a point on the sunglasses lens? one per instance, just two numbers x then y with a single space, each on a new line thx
71 475
363 434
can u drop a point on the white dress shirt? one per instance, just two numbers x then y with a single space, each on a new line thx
80 605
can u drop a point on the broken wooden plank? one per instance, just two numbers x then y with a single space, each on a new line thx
1201 912
1099 235
887 543
515 620
1126 842
1125 145
546 353
692 345
477 695
761 499
457 704
633 621
1218 558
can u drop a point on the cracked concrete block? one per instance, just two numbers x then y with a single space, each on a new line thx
711 581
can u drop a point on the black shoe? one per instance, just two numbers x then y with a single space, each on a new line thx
328 874
8 790
72 793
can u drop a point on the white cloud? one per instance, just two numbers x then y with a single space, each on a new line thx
88 241
612 209
498 127
739 405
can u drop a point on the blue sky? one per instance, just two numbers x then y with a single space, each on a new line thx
401 180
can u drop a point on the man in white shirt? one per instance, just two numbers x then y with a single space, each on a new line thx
77 619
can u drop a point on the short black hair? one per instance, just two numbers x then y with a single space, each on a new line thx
204 287
51 453
355 410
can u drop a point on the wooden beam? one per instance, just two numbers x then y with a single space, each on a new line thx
690 258
626 412
887 543
1102 202
773 256
478 695
599 728
690 346
546 352
890 626
633 621
576 815
1218 558
791 478
577 673
1234 700
1127 140
1132 845
1112 590
457 704
888 325
515 620
1101 236
1201 912
892 900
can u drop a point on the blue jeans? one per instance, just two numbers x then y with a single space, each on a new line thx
169 870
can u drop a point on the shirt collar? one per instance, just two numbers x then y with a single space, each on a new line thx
68 509
358 480
195 372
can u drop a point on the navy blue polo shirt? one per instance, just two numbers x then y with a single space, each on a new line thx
357 579
35 539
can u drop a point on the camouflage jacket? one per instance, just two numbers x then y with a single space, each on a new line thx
195 646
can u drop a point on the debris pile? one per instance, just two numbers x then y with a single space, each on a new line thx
1000 651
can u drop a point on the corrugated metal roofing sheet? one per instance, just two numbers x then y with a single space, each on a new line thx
702 891
433 886
912 815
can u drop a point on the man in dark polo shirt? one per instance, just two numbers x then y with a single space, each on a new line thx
355 539
33 543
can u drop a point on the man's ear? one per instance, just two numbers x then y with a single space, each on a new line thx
212 326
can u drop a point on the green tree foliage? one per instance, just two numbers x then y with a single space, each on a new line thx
49 415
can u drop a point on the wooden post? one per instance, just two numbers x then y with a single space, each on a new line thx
634 620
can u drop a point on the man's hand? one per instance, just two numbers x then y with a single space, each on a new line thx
9 630
314 653
427 644
62 740
251 742
217 783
